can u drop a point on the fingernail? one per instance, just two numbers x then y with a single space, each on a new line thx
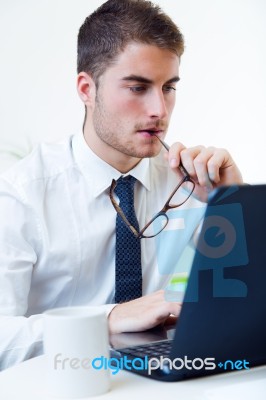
173 163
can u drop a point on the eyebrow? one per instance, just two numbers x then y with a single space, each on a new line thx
142 79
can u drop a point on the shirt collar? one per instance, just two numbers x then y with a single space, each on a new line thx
99 173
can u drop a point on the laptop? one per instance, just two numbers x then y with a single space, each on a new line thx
222 325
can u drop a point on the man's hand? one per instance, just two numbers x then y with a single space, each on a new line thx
142 314
209 167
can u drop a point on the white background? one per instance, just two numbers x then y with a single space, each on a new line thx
221 99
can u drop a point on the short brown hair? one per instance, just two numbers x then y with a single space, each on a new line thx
107 31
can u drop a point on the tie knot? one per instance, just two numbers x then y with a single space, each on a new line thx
125 187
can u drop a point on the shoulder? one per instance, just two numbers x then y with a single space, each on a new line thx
46 161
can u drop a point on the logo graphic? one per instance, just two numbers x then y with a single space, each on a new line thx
61 363
218 237
219 244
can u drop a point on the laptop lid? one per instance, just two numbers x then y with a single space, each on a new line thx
223 317
224 311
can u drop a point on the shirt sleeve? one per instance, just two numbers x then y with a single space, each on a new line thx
20 337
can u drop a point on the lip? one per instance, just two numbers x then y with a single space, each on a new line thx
146 133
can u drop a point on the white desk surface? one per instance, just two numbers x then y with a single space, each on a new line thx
26 382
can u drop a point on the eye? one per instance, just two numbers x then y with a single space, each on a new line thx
138 89
169 89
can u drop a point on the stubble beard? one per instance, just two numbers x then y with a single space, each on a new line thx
111 132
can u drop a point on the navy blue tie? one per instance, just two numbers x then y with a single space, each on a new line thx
128 275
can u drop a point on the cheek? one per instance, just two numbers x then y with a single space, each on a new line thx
170 104
122 105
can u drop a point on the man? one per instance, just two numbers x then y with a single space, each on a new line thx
63 240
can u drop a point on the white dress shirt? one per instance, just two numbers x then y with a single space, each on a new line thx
57 237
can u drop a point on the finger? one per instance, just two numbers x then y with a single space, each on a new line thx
201 167
171 308
174 154
171 320
219 160
187 157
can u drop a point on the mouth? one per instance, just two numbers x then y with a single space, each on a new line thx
151 132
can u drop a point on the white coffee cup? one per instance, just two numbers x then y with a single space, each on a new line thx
73 338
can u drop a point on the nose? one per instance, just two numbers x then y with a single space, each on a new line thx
157 105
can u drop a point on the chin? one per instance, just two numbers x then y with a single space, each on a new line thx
148 153
141 151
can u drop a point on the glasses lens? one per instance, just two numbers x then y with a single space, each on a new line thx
156 226
182 194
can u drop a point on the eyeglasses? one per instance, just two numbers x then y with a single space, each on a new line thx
179 196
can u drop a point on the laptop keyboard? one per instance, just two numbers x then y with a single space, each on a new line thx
155 349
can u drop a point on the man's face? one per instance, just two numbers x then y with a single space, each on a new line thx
136 95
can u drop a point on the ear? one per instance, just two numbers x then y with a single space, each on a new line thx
86 89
